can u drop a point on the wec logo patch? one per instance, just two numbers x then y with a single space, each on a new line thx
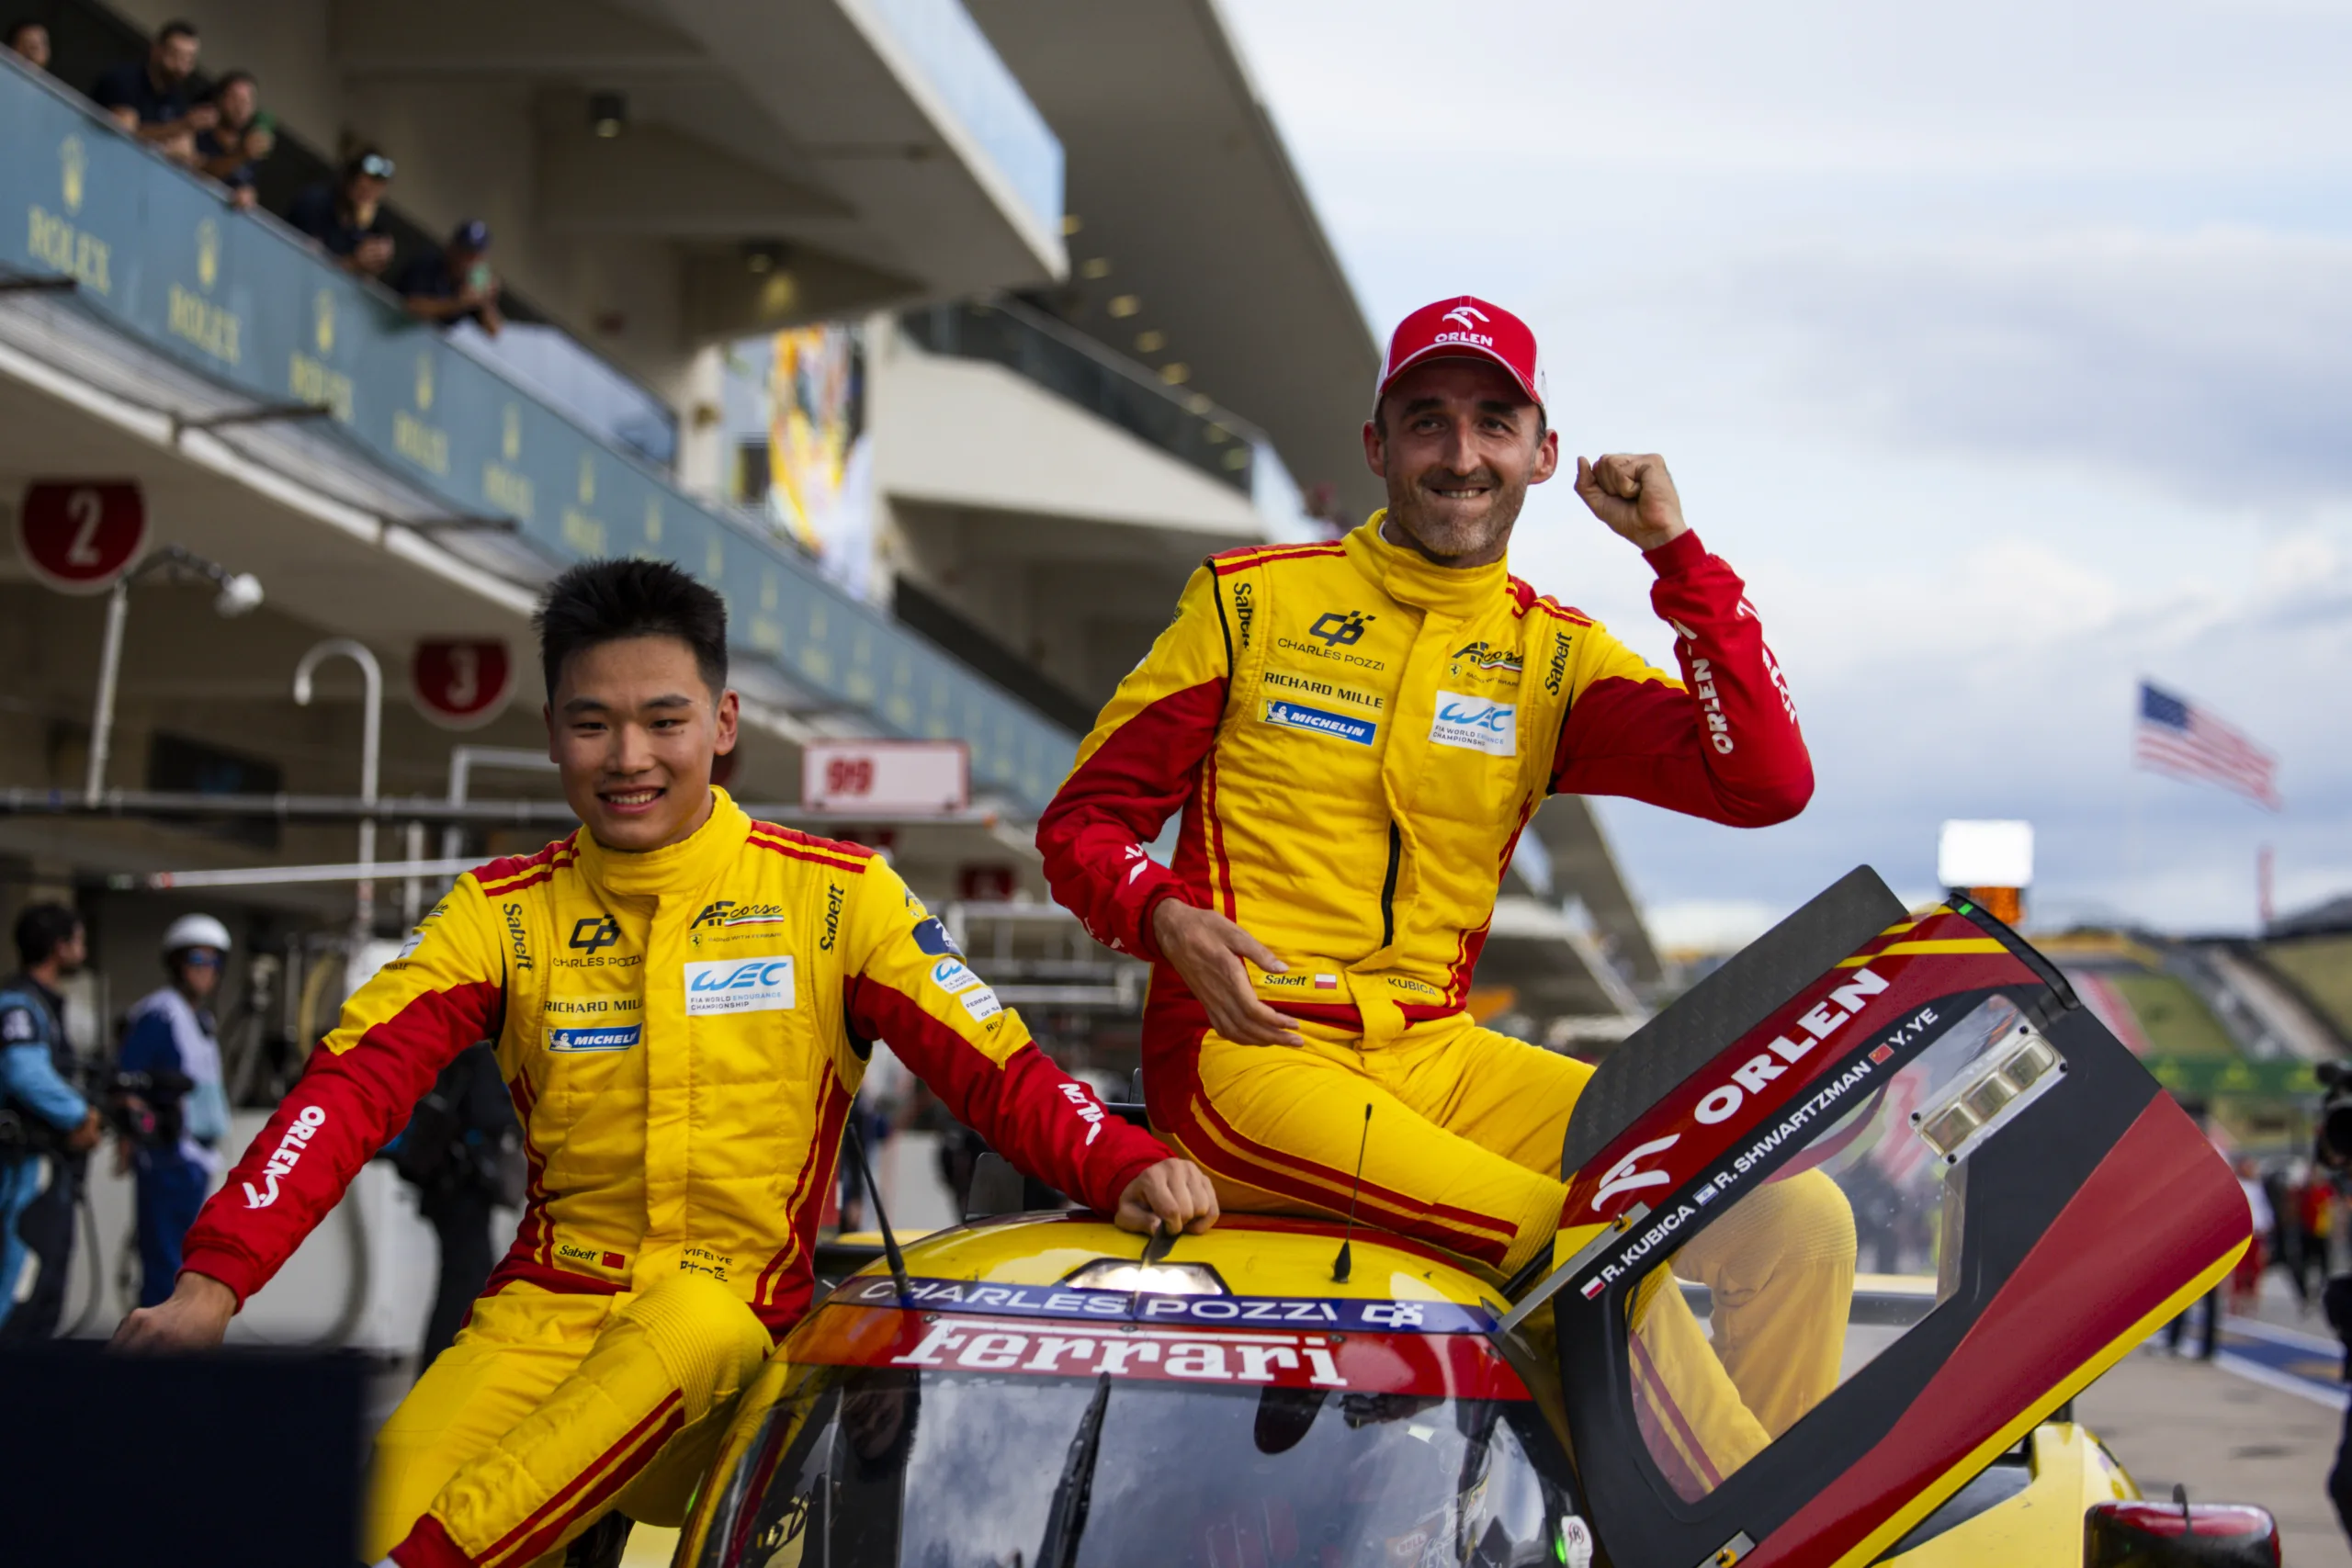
740 985
1475 724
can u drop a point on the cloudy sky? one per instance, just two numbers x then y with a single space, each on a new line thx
2006 350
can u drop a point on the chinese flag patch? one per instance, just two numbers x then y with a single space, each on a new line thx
1883 1053
614 1260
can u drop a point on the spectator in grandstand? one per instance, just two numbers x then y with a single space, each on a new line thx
240 138
155 99
454 283
346 217
30 42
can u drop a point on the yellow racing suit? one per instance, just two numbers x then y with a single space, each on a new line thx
681 1031
1355 738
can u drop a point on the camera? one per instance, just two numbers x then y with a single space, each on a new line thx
2332 1145
143 1108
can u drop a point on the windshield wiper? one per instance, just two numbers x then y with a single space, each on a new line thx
1074 1493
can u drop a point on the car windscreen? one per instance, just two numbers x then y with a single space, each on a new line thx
872 1466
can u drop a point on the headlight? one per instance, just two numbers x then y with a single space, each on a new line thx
2009 1074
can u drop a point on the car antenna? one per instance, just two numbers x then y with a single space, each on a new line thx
1343 1265
881 1219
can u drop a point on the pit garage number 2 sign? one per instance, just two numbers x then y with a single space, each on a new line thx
461 685
80 536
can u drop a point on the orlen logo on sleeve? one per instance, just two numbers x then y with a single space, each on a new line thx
285 1157
740 985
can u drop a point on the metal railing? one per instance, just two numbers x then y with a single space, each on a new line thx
1073 367
122 239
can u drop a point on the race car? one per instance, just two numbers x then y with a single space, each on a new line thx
1030 1389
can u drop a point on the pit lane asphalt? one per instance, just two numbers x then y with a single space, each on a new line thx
2229 1437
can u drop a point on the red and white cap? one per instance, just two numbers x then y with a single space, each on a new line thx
1463 327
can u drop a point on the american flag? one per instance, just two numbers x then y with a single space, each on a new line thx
2176 737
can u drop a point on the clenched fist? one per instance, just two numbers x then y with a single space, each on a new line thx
1634 495
1173 1196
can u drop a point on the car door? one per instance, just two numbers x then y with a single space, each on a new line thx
1846 1221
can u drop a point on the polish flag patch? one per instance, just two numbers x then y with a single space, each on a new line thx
1327 982
1594 1286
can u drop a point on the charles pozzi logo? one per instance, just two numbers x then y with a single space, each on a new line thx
740 985
1339 628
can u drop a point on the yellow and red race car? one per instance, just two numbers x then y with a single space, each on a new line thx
1292 1393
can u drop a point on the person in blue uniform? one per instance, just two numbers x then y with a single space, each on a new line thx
47 1125
171 1073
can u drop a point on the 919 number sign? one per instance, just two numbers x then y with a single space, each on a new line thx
886 778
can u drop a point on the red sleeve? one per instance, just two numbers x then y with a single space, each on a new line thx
1724 742
908 987
396 1034
1135 770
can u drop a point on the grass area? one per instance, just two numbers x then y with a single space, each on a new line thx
2177 1022
2321 966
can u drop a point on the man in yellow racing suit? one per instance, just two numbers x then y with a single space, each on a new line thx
1356 732
683 1001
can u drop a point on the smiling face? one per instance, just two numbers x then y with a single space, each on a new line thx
633 728
1458 442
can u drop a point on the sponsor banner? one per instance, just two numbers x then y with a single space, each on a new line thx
1900 994
1462 1365
1346 727
608 1037
1344 1315
740 985
1475 724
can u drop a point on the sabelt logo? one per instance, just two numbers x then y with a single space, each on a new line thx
286 1157
517 936
740 985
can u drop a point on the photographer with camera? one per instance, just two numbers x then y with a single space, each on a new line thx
2331 1155
171 1111
47 1127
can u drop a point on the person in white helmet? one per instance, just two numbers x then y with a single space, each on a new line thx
169 1077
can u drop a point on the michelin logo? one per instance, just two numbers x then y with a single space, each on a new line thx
740 985
612 1037
1475 724
1344 727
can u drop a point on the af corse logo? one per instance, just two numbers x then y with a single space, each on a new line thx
1339 628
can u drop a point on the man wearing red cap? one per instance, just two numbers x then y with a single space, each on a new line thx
1356 732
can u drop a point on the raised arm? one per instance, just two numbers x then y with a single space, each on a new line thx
396 1034
908 987
1723 743
1134 771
